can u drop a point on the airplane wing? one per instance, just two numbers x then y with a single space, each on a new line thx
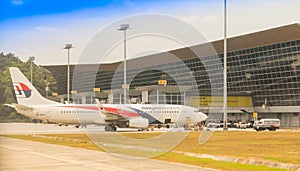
110 116
122 118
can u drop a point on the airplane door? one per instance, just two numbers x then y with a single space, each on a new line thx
47 115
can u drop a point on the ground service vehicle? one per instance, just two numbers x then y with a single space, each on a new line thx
270 124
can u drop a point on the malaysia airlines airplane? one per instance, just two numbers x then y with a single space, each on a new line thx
141 116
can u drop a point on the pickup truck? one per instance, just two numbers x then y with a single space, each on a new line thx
263 124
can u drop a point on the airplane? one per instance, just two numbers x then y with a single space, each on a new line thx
32 104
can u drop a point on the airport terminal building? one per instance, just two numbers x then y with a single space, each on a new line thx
263 76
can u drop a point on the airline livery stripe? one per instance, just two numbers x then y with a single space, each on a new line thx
116 111
81 107
122 112
150 118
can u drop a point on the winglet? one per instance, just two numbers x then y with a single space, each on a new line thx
108 115
100 105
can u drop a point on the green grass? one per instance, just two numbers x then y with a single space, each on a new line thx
209 163
273 146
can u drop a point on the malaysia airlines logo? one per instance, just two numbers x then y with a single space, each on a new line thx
22 90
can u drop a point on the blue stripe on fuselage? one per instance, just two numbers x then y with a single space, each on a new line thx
143 114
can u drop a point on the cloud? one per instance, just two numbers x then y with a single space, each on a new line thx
209 19
200 19
51 29
17 2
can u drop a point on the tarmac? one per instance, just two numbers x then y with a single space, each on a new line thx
31 128
16 154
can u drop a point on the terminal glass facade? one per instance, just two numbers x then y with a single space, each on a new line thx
271 73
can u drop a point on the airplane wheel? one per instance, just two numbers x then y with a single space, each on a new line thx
114 128
110 128
107 128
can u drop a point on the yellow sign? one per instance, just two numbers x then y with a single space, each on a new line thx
97 89
74 92
254 115
162 82
54 94
125 86
232 101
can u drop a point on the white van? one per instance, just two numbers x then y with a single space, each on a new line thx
270 124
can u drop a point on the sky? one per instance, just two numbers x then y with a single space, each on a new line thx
41 28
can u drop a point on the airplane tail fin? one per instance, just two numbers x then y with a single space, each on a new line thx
25 92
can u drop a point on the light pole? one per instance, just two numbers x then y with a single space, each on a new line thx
68 47
31 60
124 27
225 69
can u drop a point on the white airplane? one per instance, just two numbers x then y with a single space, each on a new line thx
141 116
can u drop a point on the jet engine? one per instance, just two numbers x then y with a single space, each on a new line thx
138 122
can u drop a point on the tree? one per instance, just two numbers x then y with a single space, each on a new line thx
41 78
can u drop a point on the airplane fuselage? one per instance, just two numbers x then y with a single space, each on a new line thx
90 114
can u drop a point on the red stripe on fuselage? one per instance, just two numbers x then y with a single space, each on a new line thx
82 107
121 112
108 109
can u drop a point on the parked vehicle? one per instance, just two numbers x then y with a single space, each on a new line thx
241 125
263 124
214 123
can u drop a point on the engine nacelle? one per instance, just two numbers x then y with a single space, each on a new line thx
138 122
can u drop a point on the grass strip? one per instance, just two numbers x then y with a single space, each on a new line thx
82 141
209 163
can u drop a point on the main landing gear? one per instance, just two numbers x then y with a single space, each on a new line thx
110 128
